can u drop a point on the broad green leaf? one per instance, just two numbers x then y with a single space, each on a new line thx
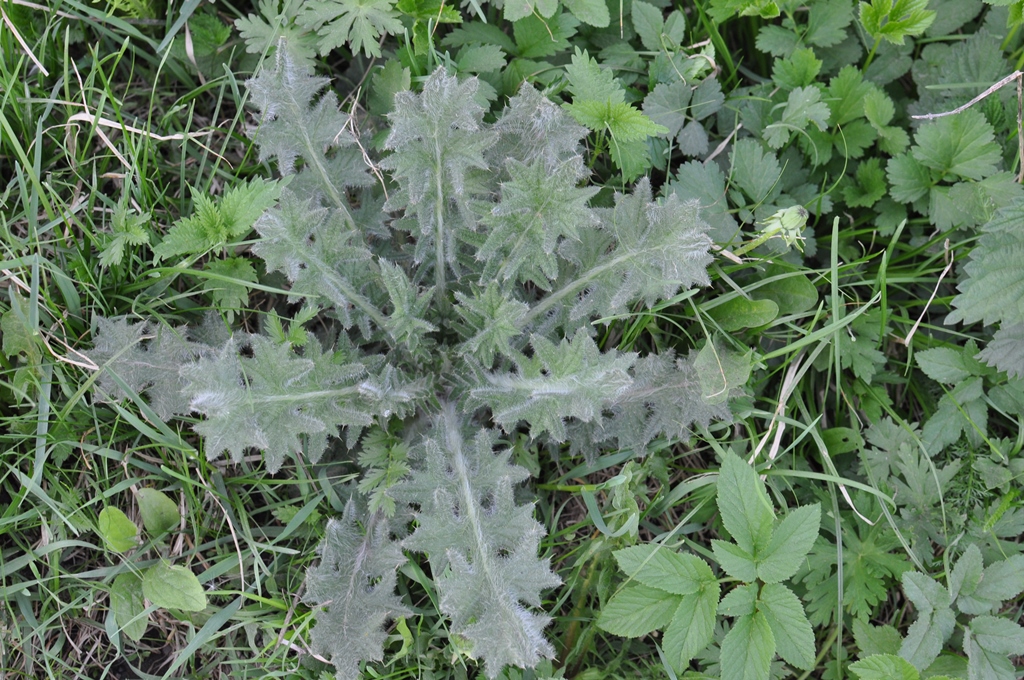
943 364
734 560
884 667
966 573
747 649
998 635
159 513
741 312
693 625
128 604
743 502
637 610
790 543
793 294
794 639
118 532
657 567
173 587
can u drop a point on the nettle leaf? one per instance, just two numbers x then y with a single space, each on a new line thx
353 588
227 288
894 20
746 509
481 545
214 224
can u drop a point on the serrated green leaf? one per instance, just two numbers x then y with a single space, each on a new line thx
884 667
894 20
985 665
159 513
118 532
755 172
943 364
747 649
734 560
588 81
870 186
128 604
1003 580
593 12
356 23
637 610
791 540
998 635
740 601
799 69
693 626
676 573
962 145
910 179
721 10
876 640
743 502
794 639
621 120
667 105
173 587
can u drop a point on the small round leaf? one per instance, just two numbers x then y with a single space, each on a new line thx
117 530
159 513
